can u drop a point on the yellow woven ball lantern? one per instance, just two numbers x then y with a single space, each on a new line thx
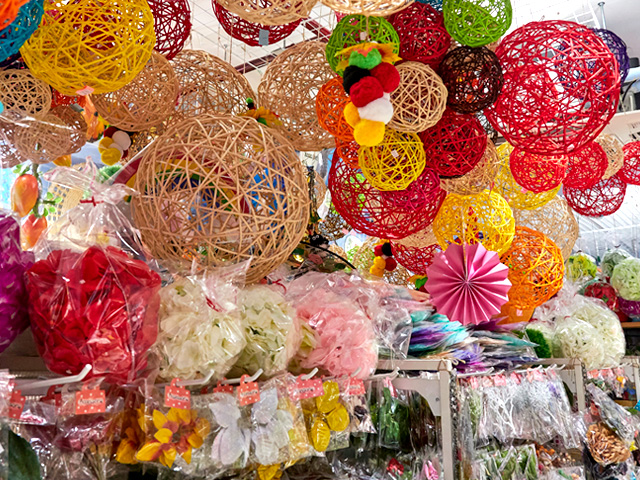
85 46
395 162
484 218
477 179
21 92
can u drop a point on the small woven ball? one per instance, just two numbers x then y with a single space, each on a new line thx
615 155
477 22
473 78
219 190
347 152
172 24
437 4
537 173
333 227
419 239
586 166
45 139
617 47
13 36
478 179
561 87
372 8
394 163
423 37
9 10
415 259
21 92
355 29
604 198
420 99
484 218
630 171
555 220
516 195
330 104
536 268
289 87
84 46
270 12
252 34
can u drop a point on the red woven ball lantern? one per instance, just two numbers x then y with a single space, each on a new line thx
418 195
347 152
172 24
370 212
537 173
604 198
561 87
253 34
630 171
586 166
415 259
423 37
455 144
330 103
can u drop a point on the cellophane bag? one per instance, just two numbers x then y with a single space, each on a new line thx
355 398
92 298
327 419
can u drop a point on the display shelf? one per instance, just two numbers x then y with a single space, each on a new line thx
630 325
572 375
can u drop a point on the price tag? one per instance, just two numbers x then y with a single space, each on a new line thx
222 388
176 396
304 388
263 37
248 392
500 381
16 404
355 387
392 390
90 401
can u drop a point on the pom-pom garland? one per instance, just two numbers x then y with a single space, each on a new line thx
586 166
114 146
172 24
477 22
383 261
604 198
537 173
13 36
630 171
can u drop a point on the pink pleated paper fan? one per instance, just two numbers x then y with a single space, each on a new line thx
467 283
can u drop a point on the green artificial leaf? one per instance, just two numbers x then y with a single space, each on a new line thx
23 461
421 282
57 201
49 196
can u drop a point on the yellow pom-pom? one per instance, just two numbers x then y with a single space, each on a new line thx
378 272
379 262
105 143
368 133
63 161
351 114
110 156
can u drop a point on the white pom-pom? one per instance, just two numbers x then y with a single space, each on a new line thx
122 139
380 110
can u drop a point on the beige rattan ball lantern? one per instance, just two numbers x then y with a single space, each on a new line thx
477 179
613 148
420 99
333 227
145 102
77 126
269 12
219 190
377 8
9 154
289 88
21 92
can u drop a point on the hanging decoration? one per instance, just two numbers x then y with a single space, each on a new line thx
604 198
615 155
364 257
114 146
586 166
630 171
477 22
479 178
347 152
45 139
367 8
22 93
330 103
416 259
9 154
537 173
172 24
383 261
13 35
269 12
617 47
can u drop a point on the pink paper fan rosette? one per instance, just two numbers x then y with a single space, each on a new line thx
467 283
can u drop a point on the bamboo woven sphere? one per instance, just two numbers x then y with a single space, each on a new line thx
77 126
394 163
477 22
586 166
363 259
289 87
555 220
418 239
9 154
372 8
537 173
21 92
208 85
221 190
330 104
536 268
45 139
140 140
415 259
347 152
420 99
172 24
145 102
13 36
615 155
423 37
83 44
333 227
270 12
604 198
630 171
484 218
478 179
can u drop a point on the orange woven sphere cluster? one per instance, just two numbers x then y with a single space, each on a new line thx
537 173
330 104
536 268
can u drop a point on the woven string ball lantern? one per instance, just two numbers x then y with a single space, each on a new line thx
145 102
473 77
423 37
395 162
491 132
615 155
363 259
477 22
330 104
420 99
13 36
252 34
415 259
21 92
617 47
437 4
418 239
455 144
45 139
333 227
586 166
172 25
478 179
289 87
347 152
9 11
270 12
484 218
536 268
77 126
630 171
423 194
561 87
208 85
604 198
371 8
537 173
9 154
516 195
218 190
355 29
89 47
555 220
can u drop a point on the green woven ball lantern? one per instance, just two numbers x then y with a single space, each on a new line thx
477 22
355 29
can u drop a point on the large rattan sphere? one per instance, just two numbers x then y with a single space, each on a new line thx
330 104
367 7
555 220
77 126
537 173
218 190
603 198
45 139
83 43
270 12
363 259
208 85
420 99
478 179
289 87
484 218
172 24
21 92
10 156
615 156
586 166
145 102
477 22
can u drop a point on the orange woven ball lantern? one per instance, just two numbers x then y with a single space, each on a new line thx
536 268
348 152
330 104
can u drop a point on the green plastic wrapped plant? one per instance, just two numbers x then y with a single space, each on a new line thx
626 279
